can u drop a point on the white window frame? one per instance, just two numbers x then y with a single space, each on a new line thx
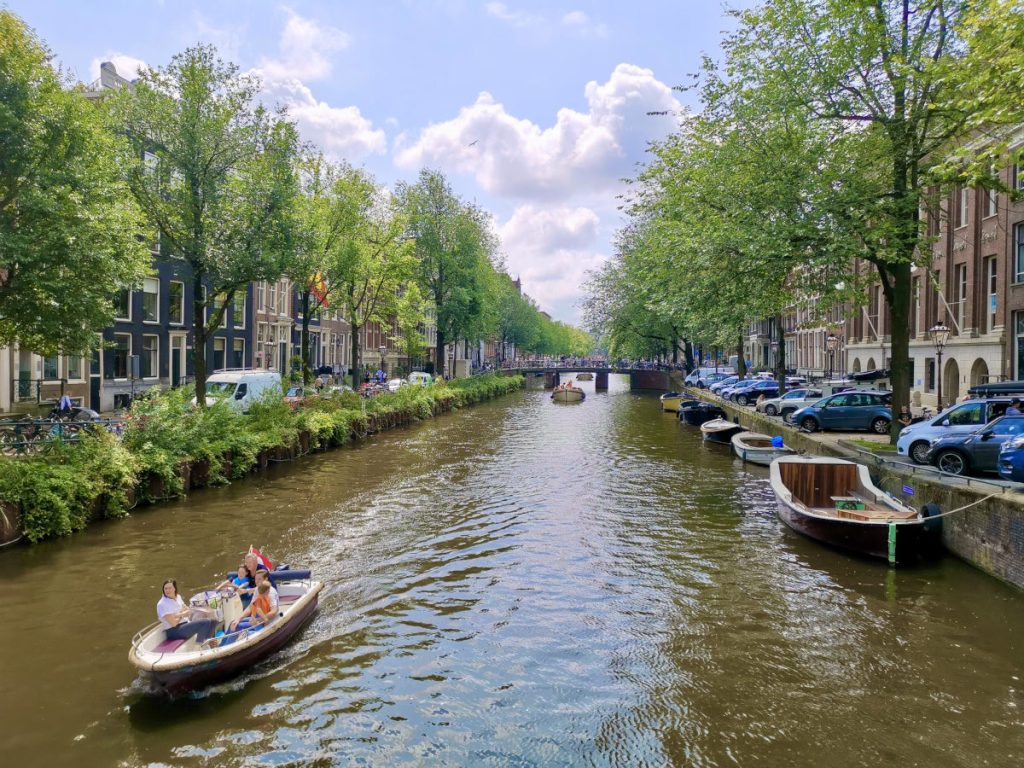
156 356
224 356
128 304
170 320
960 271
1018 252
81 367
962 207
991 203
234 343
235 314
991 290
156 319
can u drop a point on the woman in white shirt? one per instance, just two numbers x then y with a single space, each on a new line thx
174 615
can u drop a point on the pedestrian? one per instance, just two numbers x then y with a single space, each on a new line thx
905 418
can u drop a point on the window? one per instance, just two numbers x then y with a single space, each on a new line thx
1018 252
238 353
961 206
238 310
840 400
150 300
149 360
1008 426
176 302
1018 176
991 203
1018 320
973 413
219 347
214 307
120 353
960 277
272 297
51 367
929 374
74 367
915 314
123 305
991 281
261 292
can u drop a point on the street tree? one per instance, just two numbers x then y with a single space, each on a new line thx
69 229
214 172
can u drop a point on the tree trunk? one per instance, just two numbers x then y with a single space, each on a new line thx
307 373
355 356
898 295
741 361
780 356
199 338
675 351
439 353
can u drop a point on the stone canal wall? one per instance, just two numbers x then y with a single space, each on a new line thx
988 535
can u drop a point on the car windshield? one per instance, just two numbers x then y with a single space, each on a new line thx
294 392
220 388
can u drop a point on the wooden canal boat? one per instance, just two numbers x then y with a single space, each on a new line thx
700 412
567 393
584 376
834 501
719 431
759 449
176 666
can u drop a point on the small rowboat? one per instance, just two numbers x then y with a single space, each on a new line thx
672 401
719 431
834 501
568 394
759 449
176 666
584 377
698 413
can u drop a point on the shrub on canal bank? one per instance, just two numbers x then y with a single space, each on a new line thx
169 447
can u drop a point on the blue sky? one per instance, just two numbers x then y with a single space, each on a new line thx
534 110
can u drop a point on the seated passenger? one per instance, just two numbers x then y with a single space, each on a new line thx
259 611
174 615
263 576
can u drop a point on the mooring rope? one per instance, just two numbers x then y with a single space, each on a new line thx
961 509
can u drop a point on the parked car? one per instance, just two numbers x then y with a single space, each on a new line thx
962 419
394 385
421 378
765 387
848 411
240 389
705 377
790 402
978 451
1011 460
728 381
727 393
298 394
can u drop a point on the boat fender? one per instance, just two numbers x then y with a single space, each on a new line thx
777 441
932 510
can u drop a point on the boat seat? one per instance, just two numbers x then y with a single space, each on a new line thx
169 646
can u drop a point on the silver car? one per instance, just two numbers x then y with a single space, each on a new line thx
789 403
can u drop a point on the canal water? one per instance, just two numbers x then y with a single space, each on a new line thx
522 583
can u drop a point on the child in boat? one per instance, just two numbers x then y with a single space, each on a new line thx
259 611
242 580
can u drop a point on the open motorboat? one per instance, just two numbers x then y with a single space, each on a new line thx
719 431
585 376
697 413
673 401
835 502
176 666
567 393
759 449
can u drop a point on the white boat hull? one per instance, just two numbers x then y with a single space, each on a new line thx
757 449
567 395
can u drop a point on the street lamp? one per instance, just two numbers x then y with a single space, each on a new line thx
382 349
940 335
831 344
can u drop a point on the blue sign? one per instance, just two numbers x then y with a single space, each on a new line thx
908 490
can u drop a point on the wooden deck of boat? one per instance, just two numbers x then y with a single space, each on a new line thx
817 486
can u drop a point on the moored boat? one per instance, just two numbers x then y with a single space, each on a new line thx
834 501
175 666
719 431
671 401
567 394
759 449
699 412
584 376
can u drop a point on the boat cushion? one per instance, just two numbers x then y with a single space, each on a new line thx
288 599
169 646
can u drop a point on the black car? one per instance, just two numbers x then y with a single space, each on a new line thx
978 451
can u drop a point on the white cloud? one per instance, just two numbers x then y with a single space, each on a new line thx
581 23
514 157
341 132
575 18
551 249
227 40
304 49
126 66
502 12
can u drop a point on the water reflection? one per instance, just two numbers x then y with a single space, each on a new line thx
523 583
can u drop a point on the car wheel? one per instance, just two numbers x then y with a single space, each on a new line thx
880 426
787 416
701 385
919 452
742 400
771 410
951 462
809 424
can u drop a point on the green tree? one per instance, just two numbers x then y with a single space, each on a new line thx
453 244
410 315
215 173
69 231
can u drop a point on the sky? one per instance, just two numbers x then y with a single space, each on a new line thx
535 111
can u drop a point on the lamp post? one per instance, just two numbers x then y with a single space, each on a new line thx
940 335
831 345
382 349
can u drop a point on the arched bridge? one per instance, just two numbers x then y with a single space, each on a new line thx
639 378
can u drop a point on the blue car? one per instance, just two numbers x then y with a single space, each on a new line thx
979 451
847 411
1011 460
748 395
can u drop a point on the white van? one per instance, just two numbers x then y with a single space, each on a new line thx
241 388
707 375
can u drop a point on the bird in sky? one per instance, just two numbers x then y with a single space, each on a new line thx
474 141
